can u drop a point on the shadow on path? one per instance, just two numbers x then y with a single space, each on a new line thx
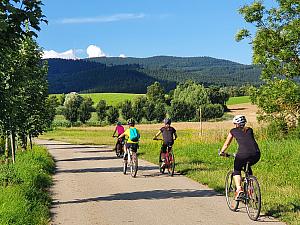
88 158
103 170
146 195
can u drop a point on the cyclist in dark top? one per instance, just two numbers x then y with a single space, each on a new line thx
248 150
168 134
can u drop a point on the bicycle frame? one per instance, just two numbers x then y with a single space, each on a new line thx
251 196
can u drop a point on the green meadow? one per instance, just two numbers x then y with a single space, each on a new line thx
110 98
238 100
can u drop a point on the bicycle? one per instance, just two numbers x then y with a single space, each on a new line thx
132 158
251 196
169 160
120 147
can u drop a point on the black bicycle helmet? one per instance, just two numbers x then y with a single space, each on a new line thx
167 121
131 122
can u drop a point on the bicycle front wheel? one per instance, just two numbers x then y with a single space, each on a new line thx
230 191
134 164
253 198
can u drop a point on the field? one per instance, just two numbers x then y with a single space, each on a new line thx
110 98
115 98
196 157
238 100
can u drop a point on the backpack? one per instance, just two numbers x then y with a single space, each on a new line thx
134 135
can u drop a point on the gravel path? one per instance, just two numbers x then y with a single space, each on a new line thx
89 188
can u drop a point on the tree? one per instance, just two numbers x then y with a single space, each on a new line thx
160 112
101 110
17 18
191 93
155 93
126 109
182 111
86 109
150 111
276 49
112 115
138 108
72 104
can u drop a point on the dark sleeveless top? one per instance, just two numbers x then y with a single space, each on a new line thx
246 141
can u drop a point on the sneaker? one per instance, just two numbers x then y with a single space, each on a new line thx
238 195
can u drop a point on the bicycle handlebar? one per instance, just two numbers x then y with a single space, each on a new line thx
225 154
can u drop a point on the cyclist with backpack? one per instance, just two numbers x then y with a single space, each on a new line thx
169 135
132 136
248 150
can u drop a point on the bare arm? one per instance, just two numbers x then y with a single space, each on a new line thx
156 135
122 135
227 142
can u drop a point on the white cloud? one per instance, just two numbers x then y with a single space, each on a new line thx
103 19
70 54
122 56
94 51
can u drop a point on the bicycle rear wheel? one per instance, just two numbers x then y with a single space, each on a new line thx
230 191
161 164
125 166
118 149
171 162
125 163
134 164
253 198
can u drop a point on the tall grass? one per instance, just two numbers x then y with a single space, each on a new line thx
23 188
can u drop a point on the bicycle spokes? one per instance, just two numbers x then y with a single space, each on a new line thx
230 189
253 198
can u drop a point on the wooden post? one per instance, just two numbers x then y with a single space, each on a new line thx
13 146
200 120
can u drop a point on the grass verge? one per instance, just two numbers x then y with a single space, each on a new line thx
23 188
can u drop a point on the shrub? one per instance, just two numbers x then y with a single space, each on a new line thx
182 111
211 111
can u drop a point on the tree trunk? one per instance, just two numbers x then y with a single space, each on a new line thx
24 141
30 139
6 148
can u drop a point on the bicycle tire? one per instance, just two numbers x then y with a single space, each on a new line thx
125 164
134 164
161 164
230 191
171 164
253 198
118 149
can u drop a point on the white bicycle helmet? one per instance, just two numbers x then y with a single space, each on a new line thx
240 120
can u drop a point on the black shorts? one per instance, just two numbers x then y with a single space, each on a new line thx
134 146
165 146
240 162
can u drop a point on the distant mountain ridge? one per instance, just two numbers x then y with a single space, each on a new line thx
133 75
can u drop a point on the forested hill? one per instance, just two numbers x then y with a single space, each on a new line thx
133 75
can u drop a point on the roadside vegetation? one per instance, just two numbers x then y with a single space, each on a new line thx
23 188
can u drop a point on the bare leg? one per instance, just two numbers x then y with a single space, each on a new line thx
237 180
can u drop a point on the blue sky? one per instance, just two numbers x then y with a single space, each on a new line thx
143 28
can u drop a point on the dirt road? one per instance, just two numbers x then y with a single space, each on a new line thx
89 189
